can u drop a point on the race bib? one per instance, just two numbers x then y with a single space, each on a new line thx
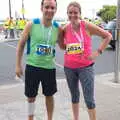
44 50
74 48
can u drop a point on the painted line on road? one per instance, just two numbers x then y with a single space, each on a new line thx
12 46
21 83
105 79
7 40
101 79
59 65
5 87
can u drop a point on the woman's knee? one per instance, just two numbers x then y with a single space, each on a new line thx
90 104
75 97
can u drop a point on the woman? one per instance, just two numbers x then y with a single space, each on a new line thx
79 58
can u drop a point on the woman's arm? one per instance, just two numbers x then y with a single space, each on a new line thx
95 30
61 38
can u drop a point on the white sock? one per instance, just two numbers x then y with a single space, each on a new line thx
31 108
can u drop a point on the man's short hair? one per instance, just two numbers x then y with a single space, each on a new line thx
42 2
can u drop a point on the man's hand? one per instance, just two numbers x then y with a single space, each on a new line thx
19 71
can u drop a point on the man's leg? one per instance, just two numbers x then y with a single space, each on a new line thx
31 108
49 100
31 88
6 33
49 87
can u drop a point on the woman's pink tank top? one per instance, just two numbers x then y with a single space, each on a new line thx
73 58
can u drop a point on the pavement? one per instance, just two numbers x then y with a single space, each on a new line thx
13 105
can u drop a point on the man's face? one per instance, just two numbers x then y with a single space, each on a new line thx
49 9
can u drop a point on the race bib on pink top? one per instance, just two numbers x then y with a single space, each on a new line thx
74 48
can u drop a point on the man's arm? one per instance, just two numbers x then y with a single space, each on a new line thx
20 48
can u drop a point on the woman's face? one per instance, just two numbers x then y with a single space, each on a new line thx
49 9
73 14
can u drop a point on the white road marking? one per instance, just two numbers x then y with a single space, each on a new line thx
21 83
105 79
59 65
12 46
5 87
101 79
2 40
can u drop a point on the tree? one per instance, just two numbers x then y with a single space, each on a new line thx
107 13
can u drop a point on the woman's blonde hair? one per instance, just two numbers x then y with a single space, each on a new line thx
75 4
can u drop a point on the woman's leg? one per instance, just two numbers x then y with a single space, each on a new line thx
86 76
72 80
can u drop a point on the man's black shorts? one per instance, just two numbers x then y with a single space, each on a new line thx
35 75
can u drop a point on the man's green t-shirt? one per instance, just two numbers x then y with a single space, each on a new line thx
41 45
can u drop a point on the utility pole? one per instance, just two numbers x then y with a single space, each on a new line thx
117 52
93 14
10 8
23 9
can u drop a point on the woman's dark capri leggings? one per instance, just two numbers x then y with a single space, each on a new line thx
86 77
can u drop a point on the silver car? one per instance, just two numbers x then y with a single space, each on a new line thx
111 27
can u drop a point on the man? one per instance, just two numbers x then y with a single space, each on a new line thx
41 36
11 28
6 26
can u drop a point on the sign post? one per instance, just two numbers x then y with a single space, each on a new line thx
117 52
23 9
10 9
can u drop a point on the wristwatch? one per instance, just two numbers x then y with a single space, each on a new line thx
99 51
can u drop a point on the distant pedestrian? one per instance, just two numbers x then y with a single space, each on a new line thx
79 58
12 28
6 26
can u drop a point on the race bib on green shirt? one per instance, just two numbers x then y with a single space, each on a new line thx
44 50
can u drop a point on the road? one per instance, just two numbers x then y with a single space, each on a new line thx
104 63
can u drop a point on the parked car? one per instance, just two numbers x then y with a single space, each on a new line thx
111 26
102 25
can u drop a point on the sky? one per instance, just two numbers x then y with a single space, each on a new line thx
32 7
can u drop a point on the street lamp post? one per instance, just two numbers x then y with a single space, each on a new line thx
23 9
10 8
117 60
